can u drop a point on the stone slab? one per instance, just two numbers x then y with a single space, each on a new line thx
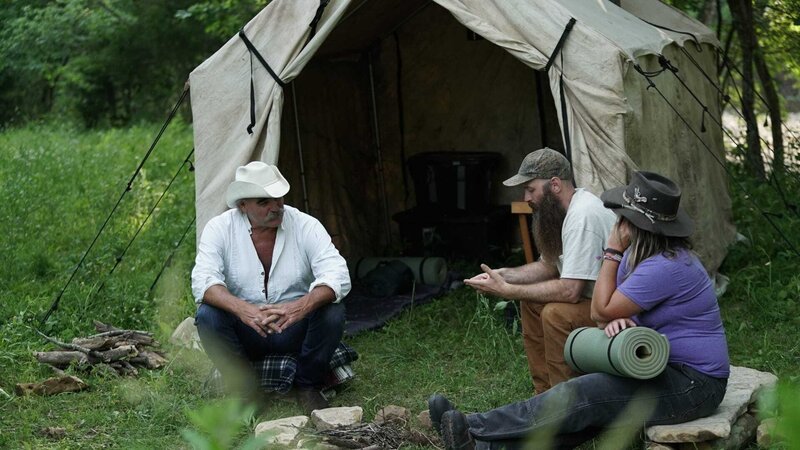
185 335
742 433
393 414
744 385
330 418
765 434
281 432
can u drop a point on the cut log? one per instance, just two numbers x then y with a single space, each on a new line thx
52 386
122 350
117 338
115 354
124 368
75 347
102 327
151 360
61 358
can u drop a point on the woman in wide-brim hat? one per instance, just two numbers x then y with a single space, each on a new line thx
649 277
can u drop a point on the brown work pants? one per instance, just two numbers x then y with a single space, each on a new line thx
545 328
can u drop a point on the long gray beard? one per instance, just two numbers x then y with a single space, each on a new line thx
548 219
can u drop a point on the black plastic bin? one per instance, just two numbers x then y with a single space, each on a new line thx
452 182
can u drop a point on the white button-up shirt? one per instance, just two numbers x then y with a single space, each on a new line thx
303 258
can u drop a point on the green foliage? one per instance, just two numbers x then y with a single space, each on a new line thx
98 62
780 407
58 184
779 34
222 18
220 425
760 308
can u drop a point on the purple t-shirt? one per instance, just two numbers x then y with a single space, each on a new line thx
678 301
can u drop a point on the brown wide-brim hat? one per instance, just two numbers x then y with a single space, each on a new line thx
651 202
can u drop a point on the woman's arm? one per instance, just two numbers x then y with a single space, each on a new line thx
607 302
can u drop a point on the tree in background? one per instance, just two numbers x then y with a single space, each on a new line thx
100 61
222 18
767 38
743 23
110 62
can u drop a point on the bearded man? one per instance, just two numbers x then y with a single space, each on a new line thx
570 228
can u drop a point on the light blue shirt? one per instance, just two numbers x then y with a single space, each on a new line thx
303 258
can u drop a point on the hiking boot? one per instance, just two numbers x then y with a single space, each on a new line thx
438 405
310 400
455 431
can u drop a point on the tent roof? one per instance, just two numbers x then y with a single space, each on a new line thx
366 22
628 28
637 28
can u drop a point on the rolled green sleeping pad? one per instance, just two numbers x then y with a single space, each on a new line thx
636 352
427 270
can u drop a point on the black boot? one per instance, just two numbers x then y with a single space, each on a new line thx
438 405
455 431
310 400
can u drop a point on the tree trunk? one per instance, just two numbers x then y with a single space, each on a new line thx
742 13
707 13
773 104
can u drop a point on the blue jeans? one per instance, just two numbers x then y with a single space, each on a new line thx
579 409
234 346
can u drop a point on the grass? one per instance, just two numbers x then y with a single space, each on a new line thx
58 184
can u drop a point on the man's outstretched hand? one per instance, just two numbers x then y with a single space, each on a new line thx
488 282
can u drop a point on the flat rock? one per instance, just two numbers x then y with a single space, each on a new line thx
185 335
424 418
315 444
765 434
658 446
393 414
52 386
744 385
330 418
281 431
742 433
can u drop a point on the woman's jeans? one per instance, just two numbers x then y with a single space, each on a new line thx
234 346
579 409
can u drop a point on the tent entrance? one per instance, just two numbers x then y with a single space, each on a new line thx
382 89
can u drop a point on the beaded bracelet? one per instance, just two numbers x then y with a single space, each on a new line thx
612 257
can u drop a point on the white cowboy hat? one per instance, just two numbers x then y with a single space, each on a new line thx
256 180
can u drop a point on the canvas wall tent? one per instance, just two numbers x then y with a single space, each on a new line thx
374 81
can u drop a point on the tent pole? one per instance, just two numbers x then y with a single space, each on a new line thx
540 106
299 148
378 154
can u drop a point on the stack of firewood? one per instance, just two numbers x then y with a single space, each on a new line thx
124 351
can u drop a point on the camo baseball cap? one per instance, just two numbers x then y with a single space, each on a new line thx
544 164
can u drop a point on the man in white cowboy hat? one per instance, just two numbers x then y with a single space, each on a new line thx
268 280
570 229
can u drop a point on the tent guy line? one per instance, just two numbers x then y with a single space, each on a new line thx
128 187
147 217
667 65
720 162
